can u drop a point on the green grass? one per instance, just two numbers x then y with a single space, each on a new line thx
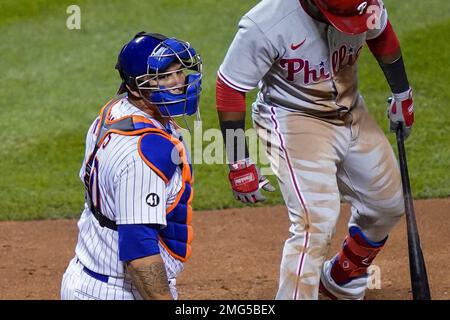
55 80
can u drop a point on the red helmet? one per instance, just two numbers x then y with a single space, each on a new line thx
349 16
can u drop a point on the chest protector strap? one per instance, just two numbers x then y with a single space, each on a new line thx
130 126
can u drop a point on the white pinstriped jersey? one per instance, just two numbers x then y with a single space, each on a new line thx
297 62
124 181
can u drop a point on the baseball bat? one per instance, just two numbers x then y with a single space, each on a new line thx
419 278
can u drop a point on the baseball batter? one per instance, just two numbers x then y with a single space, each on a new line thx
135 231
321 141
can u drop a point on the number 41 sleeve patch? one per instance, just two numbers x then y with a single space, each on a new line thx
152 199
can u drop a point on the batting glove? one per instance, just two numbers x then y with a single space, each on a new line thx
246 182
401 112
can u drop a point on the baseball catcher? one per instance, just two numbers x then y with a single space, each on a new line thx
135 231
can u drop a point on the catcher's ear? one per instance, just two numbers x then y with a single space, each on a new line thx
132 92
122 89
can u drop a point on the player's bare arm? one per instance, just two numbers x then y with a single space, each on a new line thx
149 276
389 58
231 116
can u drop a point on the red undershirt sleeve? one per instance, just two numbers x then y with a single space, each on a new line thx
386 43
229 99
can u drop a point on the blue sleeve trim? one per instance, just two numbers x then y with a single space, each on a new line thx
137 241
161 153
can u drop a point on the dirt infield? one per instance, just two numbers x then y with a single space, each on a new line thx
236 254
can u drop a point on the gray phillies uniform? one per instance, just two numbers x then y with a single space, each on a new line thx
320 139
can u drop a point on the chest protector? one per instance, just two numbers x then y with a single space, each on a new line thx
164 154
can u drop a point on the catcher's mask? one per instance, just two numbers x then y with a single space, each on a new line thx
145 60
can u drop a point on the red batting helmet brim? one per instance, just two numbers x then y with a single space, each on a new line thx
355 24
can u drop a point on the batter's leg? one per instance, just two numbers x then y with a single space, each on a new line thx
303 153
369 179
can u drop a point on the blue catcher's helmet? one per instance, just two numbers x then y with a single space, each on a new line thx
144 60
